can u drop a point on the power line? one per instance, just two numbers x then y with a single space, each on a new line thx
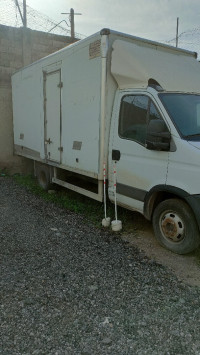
10 16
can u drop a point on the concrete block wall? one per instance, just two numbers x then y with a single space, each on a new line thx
19 47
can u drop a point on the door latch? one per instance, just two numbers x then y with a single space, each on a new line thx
60 85
48 141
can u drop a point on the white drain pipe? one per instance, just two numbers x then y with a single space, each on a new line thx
116 224
106 220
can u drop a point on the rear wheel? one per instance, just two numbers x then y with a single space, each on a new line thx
175 226
43 175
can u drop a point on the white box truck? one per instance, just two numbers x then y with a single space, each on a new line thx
117 99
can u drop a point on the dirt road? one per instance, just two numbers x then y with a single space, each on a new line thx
186 267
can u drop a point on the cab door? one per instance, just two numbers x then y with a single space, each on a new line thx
138 169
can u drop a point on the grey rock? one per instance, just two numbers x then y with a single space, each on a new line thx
106 341
71 288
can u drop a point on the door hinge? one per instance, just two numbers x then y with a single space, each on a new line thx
60 149
60 85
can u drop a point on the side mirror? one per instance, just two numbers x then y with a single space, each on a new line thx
158 136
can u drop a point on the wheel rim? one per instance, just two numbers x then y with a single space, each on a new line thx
172 226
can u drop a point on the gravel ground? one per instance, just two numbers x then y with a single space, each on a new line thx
69 288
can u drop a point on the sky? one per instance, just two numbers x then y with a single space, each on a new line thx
152 19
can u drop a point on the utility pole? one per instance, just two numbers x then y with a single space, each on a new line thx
71 19
24 13
23 17
177 25
72 23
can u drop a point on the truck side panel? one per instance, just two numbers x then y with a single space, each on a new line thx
80 108
28 115
81 97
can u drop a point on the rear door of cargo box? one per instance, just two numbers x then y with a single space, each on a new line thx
52 105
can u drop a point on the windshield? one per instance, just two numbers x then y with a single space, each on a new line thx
184 110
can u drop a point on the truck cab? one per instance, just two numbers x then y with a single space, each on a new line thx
154 145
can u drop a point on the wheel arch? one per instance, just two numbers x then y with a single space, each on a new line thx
160 193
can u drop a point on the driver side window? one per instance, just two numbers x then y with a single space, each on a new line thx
135 112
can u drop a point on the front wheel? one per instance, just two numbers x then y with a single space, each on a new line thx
175 226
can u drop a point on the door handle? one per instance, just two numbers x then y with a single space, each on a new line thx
48 141
116 155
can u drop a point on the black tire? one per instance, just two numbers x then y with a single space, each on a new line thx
43 175
175 226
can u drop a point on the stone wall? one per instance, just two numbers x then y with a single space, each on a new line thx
19 47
